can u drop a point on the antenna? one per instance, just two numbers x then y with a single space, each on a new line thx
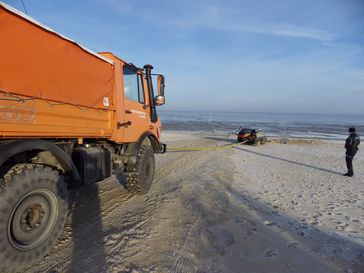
25 9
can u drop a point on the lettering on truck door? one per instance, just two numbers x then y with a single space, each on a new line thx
135 105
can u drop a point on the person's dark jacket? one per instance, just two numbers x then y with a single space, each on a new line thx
351 144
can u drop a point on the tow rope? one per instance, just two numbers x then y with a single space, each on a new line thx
174 149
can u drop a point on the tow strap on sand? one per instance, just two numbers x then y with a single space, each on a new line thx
174 149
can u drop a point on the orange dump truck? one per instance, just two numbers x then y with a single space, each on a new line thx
68 116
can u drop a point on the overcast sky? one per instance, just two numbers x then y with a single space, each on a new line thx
229 55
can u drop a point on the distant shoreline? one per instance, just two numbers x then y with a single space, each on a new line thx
322 126
272 136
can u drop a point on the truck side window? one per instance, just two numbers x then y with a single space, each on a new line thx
133 86
141 89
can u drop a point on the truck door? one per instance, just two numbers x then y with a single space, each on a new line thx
136 109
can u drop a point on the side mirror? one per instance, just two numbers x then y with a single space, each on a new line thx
159 100
160 84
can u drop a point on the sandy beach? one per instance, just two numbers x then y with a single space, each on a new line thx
271 208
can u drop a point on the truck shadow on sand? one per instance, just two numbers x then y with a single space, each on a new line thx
81 248
86 222
288 161
88 234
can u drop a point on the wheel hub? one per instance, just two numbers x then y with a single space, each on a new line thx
33 219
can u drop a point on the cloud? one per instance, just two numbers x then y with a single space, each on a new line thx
119 7
210 13
190 15
289 30
319 81
222 56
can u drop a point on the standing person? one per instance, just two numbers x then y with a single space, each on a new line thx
351 146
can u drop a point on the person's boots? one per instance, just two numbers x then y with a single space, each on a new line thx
348 174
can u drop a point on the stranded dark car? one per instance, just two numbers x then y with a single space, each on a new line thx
251 136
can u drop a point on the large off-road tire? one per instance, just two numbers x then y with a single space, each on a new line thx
140 176
33 211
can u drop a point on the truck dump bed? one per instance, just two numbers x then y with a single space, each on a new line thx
50 85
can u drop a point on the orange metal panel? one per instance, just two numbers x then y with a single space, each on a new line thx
36 62
39 118
118 132
52 87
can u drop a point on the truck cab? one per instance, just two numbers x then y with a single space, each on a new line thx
136 100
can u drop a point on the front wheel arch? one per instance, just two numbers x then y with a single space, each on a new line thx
148 137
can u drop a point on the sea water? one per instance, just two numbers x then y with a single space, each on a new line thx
327 126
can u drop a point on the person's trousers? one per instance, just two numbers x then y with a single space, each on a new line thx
349 163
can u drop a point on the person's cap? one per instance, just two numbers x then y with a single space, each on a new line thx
352 130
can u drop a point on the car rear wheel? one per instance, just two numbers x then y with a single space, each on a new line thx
240 139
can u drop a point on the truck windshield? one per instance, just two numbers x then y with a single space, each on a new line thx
133 85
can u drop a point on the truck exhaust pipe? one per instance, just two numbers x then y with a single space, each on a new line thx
148 75
148 70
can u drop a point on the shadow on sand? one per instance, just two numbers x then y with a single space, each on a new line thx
230 235
288 161
88 234
274 157
86 209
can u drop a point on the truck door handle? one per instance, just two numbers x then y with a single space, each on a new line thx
122 124
128 111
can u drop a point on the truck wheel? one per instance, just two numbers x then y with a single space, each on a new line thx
140 176
33 211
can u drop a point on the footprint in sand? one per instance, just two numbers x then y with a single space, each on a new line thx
251 233
292 245
225 239
240 220
269 253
